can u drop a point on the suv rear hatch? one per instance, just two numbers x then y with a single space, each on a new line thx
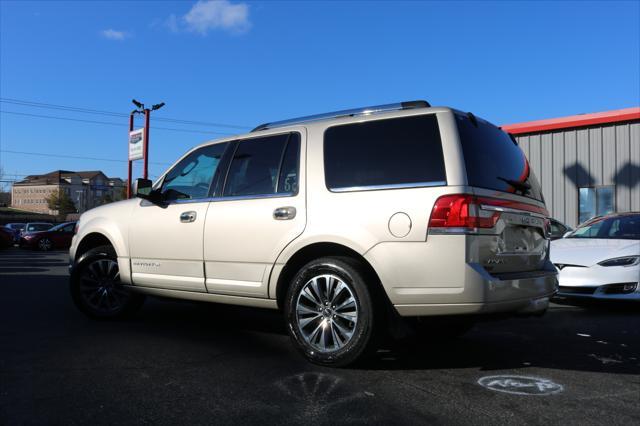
505 215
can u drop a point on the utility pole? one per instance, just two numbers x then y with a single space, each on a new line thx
140 109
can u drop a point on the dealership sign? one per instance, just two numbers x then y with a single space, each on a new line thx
136 138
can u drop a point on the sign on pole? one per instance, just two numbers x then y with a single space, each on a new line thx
136 138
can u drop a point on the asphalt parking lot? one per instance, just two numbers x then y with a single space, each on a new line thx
184 362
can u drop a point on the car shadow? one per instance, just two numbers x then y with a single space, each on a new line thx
607 340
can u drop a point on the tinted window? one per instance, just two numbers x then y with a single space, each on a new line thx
63 227
192 176
38 227
288 179
384 152
493 160
255 167
68 228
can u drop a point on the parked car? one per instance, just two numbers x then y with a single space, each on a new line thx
58 237
6 237
344 221
16 230
601 258
558 229
35 227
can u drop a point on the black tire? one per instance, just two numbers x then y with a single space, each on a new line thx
442 328
356 345
45 244
90 278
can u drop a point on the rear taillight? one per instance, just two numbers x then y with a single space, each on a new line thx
461 211
75 228
471 212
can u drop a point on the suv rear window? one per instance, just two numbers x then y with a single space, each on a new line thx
384 153
493 160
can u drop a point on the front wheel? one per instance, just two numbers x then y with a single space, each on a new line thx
330 312
96 288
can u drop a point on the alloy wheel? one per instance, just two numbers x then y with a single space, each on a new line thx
100 287
45 244
326 313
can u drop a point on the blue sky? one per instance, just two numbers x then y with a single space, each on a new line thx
243 63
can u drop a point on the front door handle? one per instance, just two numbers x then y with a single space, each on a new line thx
188 217
284 213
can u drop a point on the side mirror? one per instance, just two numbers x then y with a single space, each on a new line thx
142 188
566 234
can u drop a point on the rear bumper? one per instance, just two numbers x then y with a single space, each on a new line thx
491 295
435 279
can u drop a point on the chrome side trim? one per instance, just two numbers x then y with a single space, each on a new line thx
206 297
390 186
238 197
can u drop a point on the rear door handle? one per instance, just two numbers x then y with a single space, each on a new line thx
284 213
188 217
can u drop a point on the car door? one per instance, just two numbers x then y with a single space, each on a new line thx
259 210
166 240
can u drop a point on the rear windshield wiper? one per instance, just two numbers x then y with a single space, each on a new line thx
520 186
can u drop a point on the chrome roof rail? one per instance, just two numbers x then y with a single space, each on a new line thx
345 113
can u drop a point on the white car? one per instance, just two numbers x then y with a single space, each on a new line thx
600 259
344 221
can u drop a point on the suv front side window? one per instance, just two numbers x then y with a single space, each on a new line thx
192 176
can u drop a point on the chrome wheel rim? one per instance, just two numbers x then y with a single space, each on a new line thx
326 313
44 244
100 286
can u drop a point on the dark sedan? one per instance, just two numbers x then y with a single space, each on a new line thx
58 237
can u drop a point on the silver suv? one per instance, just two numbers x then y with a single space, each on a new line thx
344 221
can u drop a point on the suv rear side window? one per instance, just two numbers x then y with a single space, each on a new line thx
264 166
493 160
384 153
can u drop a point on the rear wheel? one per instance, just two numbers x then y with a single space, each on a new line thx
45 244
96 288
330 312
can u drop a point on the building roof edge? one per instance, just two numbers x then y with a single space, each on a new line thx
572 121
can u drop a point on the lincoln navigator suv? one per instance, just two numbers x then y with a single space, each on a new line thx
348 222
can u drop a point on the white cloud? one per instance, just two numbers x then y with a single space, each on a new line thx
208 15
112 34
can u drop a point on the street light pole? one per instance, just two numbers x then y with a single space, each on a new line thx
145 147
129 174
145 172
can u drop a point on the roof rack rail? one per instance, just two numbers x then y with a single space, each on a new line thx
345 113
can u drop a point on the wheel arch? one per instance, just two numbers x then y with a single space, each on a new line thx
92 240
316 250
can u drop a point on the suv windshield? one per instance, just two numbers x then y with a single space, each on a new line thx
626 227
493 160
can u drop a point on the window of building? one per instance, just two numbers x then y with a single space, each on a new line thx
264 166
384 153
596 201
